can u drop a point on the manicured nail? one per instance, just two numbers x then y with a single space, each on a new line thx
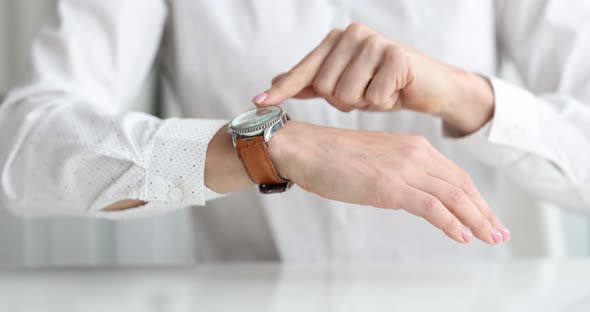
260 98
505 233
467 236
497 236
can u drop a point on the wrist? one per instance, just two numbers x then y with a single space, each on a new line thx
471 103
285 145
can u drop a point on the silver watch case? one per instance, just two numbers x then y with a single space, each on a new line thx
267 130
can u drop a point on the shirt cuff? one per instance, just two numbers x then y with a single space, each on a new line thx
513 132
176 168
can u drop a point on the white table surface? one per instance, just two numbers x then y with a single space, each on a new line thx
521 285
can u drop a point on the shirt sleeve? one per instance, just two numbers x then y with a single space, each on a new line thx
69 145
540 134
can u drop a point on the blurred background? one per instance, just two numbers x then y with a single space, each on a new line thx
166 240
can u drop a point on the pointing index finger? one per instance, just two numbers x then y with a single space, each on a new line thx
300 76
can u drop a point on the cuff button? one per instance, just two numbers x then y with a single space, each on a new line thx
176 194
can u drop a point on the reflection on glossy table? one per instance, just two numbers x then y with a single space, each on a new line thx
522 285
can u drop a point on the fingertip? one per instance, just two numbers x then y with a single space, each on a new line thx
506 235
260 99
467 236
497 236
271 97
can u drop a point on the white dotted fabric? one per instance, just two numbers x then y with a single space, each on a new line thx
80 160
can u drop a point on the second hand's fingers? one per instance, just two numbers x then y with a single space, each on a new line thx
359 73
426 206
382 92
460 205
300 76
443 168
339 59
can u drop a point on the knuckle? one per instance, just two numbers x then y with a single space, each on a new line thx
322 87
431 205
394 53
396 83
375 98
417 144
410 151
346 97
373 43
356 30
334 33
450 225
372 95
466 182
456 196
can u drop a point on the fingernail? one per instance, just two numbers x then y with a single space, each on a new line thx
260 98
497 236
467 236
505 233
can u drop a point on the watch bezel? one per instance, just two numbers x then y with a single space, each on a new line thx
267 130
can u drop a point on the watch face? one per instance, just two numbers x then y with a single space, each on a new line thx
256 117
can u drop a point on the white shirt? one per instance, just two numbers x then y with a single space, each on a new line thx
71 147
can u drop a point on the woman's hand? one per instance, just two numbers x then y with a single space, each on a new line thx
387 171
358 68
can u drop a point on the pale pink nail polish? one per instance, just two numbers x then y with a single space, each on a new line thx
467 236
497 236
260 98
505 233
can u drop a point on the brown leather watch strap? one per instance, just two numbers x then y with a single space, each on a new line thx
254 154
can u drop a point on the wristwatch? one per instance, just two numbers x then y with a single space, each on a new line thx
251 131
